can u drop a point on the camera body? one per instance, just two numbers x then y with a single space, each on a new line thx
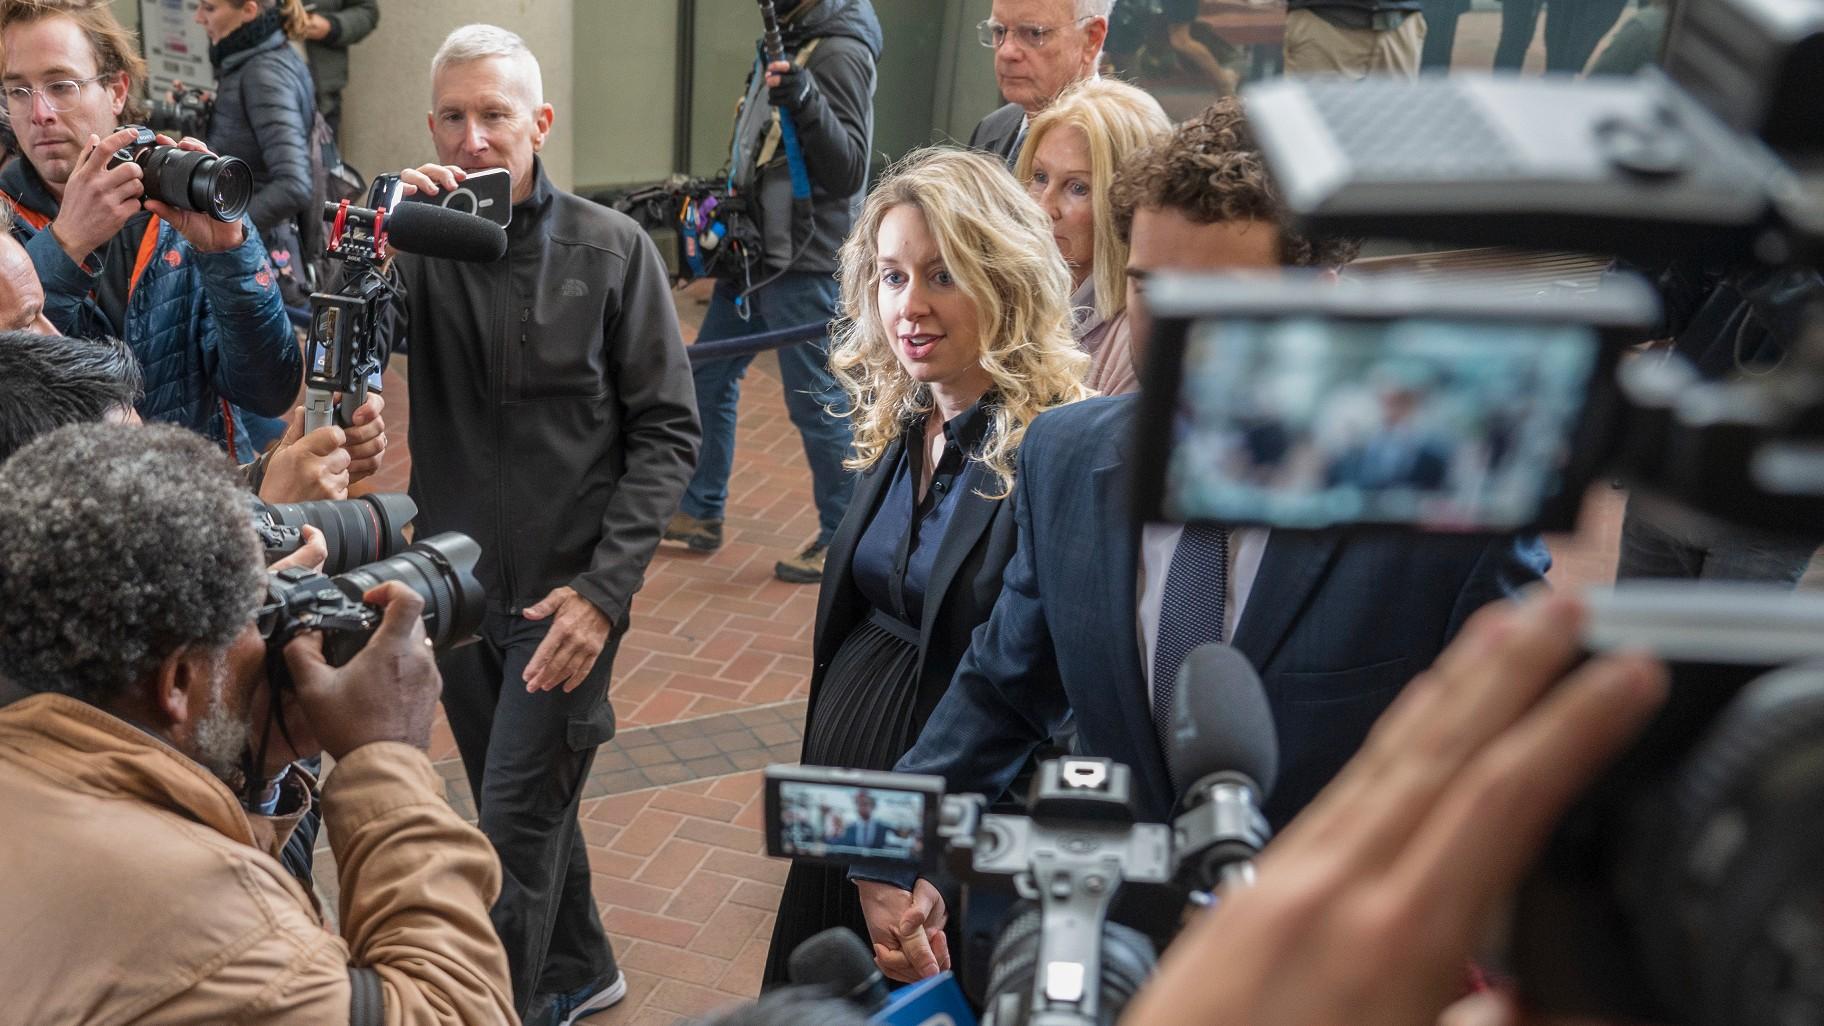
221 187
186 113
441 569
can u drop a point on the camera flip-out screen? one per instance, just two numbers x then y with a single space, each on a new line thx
851 816
1305 405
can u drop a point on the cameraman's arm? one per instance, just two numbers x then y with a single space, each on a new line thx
281 128
66 283
253 356
351 24
416 881
659 431
835 120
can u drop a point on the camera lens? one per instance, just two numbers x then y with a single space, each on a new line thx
221 187
441 569
1127 960
357 531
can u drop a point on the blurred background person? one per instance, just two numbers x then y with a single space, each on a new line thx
1440 33
1573 28
1354 38
956 335
1068 164
827 87
333 27
264 109
1041 47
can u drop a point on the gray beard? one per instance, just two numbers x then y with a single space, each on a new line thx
220 736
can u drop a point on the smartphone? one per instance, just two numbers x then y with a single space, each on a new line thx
487 193
852 817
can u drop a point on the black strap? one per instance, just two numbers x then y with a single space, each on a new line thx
366 1002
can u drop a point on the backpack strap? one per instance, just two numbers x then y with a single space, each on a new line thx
769 147
366 999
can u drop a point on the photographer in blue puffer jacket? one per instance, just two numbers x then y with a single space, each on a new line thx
196 299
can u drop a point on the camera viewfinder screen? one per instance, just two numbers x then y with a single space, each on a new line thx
845 823
1308 422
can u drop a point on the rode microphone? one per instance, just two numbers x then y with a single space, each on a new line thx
837 963
1224 747
426 229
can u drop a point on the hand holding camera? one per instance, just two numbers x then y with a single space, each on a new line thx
221 186
308 465
100 196
387 692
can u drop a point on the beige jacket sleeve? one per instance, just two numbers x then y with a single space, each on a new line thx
416 885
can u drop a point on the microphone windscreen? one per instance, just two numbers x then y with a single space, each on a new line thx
838 962
1221 720
428 229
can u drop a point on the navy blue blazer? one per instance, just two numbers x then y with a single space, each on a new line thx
1336 624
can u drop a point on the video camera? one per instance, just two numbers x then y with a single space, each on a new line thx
1060 960
1684 887
345 348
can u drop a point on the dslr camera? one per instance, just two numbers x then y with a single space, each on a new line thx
366 541
1685 887
218 186
186 112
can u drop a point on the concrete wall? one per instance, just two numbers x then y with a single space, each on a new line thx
389 85
610 69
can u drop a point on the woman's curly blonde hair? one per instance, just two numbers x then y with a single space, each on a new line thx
997 244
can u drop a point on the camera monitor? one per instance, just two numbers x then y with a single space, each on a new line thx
852 816
1455 406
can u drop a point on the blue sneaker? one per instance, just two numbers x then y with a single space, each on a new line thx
589 999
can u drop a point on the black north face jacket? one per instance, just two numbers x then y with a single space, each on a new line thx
553 416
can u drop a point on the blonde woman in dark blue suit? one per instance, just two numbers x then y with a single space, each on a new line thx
957 334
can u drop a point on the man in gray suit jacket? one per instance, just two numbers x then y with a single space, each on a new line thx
1041 48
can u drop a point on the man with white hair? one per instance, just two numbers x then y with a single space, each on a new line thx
554 421
1041 48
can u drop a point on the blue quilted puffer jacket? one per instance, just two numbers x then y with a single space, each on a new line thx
209 329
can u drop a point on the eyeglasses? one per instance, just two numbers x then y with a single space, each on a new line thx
992 34
61 96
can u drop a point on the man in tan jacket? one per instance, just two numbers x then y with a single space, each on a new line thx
133 885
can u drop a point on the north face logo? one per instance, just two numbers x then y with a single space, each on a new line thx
573 288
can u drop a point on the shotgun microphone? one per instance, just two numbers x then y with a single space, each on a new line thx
1225 751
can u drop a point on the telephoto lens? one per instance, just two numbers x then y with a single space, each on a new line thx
220 187
442 570
357 531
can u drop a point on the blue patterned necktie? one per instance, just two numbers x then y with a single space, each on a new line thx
1196 597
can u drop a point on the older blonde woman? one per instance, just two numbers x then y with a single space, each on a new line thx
956 334
1068 164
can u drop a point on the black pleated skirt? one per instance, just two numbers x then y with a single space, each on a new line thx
865 719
